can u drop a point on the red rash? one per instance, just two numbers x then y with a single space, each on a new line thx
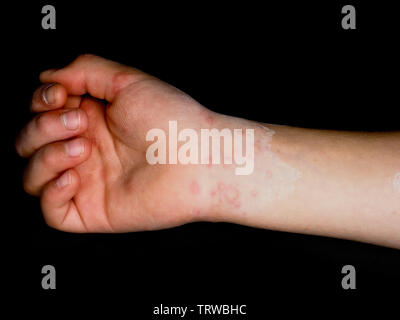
209 119
227 193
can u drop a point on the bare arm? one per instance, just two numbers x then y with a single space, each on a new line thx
331 183
89 164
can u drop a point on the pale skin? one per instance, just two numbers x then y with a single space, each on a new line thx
331 183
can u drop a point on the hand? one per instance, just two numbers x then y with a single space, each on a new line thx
108 186
92 174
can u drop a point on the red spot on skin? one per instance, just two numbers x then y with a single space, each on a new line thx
268 174
209 119
254 193
121 80
244 213
213 193
197 213
221 188
194 188
229 193
232 196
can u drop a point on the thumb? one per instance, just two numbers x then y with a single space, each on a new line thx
99 77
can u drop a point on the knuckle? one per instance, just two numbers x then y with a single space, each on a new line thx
85 57
27 186
48 218
47 157
20 143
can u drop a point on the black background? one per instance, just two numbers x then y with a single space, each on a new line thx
285 62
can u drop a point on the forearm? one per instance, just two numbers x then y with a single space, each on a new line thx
331 183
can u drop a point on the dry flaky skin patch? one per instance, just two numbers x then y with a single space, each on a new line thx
280 179
396 182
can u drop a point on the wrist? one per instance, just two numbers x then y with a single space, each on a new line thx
234 191
256 198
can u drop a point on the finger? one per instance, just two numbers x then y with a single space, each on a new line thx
73 102
59 210
99 77
49 161
48 127
48 96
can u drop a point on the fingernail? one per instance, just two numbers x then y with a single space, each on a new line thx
64 180
75 147
49 94
71 119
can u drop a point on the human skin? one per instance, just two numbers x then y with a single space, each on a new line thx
331 183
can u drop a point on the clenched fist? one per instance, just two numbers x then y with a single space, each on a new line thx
87 154
87 148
